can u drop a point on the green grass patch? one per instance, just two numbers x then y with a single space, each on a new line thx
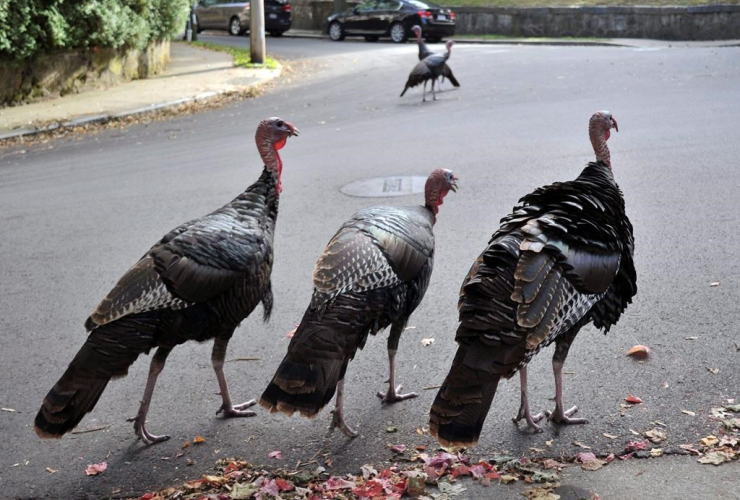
242 57
581 3
529 38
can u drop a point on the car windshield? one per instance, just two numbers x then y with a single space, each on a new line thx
422 5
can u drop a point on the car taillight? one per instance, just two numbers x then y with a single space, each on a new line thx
425 14
452 16
287 7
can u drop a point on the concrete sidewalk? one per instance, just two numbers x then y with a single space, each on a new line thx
193 74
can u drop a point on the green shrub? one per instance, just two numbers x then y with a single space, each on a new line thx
29 28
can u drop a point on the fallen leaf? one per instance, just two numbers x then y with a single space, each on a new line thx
549 442
581 445
540 494
368 471
550 463
610 436
537 450
451 489
398 448
634 432
715 283
242 491
689 413
593 465
508 478
714 371
715 458
656 435
391 429
639 351
656 452
95 469
633 399
9 409
50 470
427 342
585 456
420 447
709 440
277 455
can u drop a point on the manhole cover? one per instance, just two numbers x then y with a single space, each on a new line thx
382 187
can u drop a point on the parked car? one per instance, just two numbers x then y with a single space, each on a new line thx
392 18
233 16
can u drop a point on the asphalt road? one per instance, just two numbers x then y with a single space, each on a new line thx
76 213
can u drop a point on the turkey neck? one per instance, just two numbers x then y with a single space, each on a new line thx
598 141
272 161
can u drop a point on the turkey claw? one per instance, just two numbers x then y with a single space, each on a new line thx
563 417
238 410
337 420
393 396
146 437
529 418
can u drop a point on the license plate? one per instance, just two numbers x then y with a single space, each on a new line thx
273 16
441 17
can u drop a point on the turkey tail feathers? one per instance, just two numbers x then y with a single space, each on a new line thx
462 404
105 355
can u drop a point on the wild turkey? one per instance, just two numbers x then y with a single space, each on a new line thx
429 68
197 283
373 273
425 52
561 260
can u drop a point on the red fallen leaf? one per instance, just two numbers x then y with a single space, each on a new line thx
460 470
337 483
277 455
271 488
421 447
639 351
400 486
636 445
585 456
371 489
283 484
398 448
609 458
485 465
633 399
147 496
493 475
627 456
95 469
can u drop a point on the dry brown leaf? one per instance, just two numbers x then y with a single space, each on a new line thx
633 399
610 436
507 478
656 452
549 442
656 435
709 440
540 494
714 371
639 351
593 465
689 413
199 440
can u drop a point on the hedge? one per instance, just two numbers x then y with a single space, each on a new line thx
29 28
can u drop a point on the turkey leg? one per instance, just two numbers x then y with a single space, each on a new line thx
524 407
558 360
424 92
337 419
217 358
155 368
393 396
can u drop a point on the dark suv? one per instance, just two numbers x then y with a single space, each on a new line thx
392 18
233 16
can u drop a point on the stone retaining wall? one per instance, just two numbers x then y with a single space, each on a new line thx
705 22
74 71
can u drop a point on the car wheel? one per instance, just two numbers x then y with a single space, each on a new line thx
336 31
276 33
371 38
398 33
235 27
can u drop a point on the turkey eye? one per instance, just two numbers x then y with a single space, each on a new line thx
280 123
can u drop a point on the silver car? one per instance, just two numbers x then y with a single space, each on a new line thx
231 15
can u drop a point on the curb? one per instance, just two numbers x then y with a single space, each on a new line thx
107 117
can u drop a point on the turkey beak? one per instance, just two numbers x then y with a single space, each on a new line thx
453 184
293 129
614 124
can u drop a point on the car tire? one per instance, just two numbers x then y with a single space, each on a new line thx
371 38
235 27
398 33
276 33
336 31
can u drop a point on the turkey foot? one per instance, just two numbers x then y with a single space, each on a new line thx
238 410
530 419
147 437
524 407
337 420
393 396
563 417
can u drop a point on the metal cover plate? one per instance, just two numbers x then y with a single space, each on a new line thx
382 187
